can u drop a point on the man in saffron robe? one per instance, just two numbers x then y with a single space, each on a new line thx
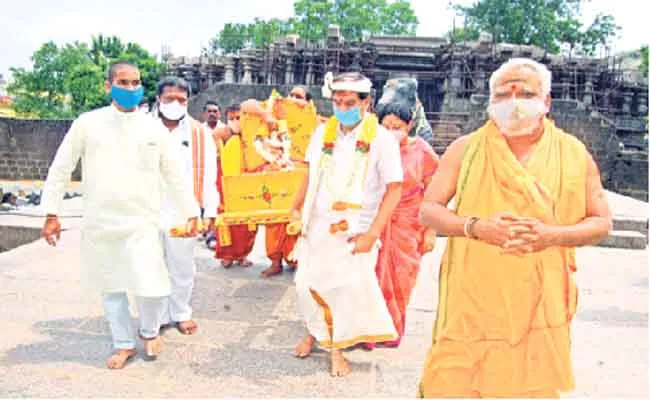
527 194
242 238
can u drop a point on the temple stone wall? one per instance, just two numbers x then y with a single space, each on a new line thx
27 147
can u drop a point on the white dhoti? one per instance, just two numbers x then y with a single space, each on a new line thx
338 295
179 255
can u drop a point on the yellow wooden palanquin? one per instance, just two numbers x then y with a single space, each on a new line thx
263 197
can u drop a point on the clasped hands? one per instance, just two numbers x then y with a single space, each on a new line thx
516 235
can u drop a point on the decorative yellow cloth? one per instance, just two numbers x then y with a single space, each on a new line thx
503 321
232 157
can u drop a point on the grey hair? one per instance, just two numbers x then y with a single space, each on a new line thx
173 81
515 63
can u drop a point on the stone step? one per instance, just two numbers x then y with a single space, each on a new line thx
625 240
629 223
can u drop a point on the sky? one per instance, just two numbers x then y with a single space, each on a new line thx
187 26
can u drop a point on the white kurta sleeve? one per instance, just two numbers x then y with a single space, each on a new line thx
390 160
65 160
210 193
315 144
171 168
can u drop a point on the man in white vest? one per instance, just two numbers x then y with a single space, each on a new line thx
126 157
354 183
198 152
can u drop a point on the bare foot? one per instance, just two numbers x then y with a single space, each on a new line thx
119 359
340 366
304 347
152 347
292 265
245 263
226 263
188 327
274 269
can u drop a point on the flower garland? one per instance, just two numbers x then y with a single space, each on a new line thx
364 137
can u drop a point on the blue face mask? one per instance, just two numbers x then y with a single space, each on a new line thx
125 98
348 118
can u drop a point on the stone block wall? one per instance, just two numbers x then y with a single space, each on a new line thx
621 172
27 147
629 174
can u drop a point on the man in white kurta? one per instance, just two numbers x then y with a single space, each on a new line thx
197 149
124 155
337 290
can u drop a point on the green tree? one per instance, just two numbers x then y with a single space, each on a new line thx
232 38
462 34
398 18
355 17
65 81
261 33
312 18
544 23
62 83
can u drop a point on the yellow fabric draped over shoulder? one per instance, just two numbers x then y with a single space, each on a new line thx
503 321
232 157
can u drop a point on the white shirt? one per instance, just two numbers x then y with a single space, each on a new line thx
384 167
124 156
182 138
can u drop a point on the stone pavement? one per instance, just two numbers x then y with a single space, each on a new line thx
54 341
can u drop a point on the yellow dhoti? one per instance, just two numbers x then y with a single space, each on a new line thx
503 321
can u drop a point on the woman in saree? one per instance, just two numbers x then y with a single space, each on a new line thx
404 241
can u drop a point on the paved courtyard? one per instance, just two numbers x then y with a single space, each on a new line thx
54 340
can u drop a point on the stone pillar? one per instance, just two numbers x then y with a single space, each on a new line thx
453 85
247 79
211 75
643 104
309 77
480 78
456 83
229 65
288 75
627 102
588 96
566 88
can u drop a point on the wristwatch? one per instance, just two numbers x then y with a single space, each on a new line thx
469 224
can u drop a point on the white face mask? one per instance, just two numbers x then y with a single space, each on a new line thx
399 134
172 111
517 117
